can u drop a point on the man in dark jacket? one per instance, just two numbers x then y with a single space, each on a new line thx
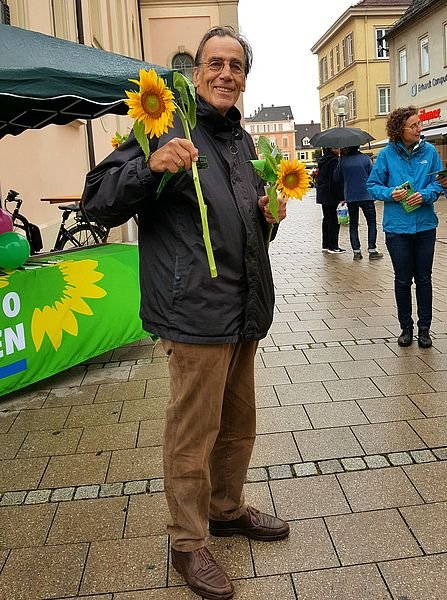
329 195
209 328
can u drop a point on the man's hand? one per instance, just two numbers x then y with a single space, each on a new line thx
176 154
398 195
414 199
282 209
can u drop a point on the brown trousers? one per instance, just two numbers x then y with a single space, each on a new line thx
209 435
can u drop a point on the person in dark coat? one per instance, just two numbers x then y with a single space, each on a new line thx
353 171
209 327
329 195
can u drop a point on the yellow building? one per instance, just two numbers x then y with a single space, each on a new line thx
353 62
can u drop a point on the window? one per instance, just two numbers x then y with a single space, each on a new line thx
63 20
331 62
323 69
96 25
348 50
403 66
305 141
352 106
424 56
325 116
4 13
302 156
184 63
337 57
286 155
285 142
382 48
445 44
384 100
279 126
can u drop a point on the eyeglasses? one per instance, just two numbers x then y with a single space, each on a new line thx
415 126
217 66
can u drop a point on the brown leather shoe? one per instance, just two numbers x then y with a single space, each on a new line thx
202 574
253 524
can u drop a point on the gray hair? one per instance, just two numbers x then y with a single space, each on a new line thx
222 31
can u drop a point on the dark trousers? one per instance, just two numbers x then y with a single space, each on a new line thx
329 227
412 257
369 210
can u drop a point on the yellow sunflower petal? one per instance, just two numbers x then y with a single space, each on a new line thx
293 179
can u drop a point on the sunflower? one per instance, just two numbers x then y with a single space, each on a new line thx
80 278
293 179
153 105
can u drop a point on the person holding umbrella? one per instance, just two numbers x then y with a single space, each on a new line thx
405 171
329 195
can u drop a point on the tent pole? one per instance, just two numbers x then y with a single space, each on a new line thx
89 129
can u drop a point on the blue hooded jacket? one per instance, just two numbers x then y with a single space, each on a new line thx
394 166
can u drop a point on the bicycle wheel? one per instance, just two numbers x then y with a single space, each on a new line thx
81 235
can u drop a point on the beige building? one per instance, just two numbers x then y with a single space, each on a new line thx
57 157
353 61
276 124
418 67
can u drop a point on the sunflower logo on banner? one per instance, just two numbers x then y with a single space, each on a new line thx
153 108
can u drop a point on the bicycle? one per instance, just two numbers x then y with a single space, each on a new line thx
82 233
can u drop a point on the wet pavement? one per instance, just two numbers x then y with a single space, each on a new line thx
351 449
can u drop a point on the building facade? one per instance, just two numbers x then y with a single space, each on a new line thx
353 61
303 134
418 67
276 124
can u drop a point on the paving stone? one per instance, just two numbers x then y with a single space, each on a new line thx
345 583
108 437
257 474
280 472
335 414
397 408
428 524
330 466
147 514
135 487
48 443
21 474
144 409
376 461
125 565
352 389
156 485
371 537
377 489
302 393
417 578
25 525
430 480
74 470
274 449
307 547
135 464
111 489
281 418
127 390
43 572
381 438
95 414
151 433
86 491
38 496
432 405
71 396
12 498
325 444
7 418
400 458
63 494
10 444
422 456
353 464
308 497
305 469
440 453
433 430
38 419
88 520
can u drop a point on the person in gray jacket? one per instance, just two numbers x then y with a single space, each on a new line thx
209 327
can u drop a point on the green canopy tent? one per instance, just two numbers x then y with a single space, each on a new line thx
45 80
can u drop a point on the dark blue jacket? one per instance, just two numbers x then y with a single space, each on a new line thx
353 171
329 191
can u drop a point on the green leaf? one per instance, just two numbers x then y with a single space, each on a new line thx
164 180
263 170
273 201
264 146
141 137
187 96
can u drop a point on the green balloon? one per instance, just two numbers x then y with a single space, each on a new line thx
14 250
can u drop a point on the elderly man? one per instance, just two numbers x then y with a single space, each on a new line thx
209 328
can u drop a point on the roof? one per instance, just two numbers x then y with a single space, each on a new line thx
271 113
366 3
414 10
303 130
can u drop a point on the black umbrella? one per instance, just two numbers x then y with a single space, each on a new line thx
45 80
340 137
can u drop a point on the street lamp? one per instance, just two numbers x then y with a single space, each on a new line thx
339 107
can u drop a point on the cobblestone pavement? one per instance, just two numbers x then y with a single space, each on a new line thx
351 449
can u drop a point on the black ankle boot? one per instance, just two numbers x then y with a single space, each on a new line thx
424 339
406 337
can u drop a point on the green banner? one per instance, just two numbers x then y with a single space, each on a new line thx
54 316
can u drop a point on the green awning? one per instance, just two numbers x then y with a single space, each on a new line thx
46 80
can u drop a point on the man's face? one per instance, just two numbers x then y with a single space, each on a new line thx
221 87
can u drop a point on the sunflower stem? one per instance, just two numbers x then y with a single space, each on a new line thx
202 206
